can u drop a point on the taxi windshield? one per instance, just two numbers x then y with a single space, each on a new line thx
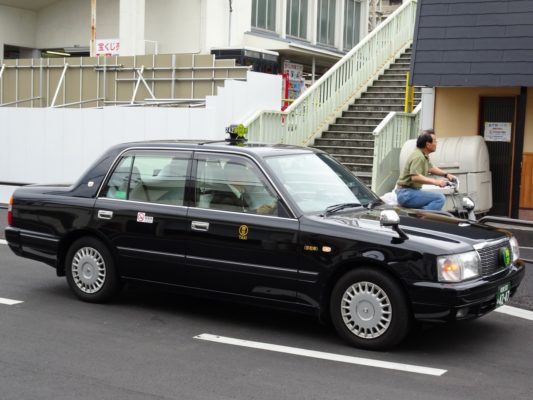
317 182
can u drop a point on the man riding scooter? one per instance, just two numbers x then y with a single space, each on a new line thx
415 174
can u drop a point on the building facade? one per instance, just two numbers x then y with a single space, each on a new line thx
262 33
476 58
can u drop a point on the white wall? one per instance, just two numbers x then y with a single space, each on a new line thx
196 26
43 145
241 21
132 27
107 16
68 23
17 28
175 24
217 23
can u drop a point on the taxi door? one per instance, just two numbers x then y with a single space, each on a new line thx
141 211
242 239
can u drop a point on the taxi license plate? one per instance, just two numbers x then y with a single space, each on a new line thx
503 294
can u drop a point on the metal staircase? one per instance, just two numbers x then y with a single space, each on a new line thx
350 138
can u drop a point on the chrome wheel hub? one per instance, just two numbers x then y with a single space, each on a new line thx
88 270
366 310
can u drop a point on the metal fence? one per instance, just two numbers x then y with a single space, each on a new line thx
389 137
87 82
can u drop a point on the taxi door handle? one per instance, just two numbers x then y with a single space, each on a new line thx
200 226
104 214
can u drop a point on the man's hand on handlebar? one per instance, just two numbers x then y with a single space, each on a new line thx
441 182
451 178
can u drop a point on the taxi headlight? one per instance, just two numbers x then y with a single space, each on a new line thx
458 267
515 249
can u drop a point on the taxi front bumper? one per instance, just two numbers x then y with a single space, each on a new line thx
445 302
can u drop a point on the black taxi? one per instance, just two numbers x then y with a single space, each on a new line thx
278 225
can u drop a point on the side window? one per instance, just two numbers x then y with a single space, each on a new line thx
233 184
153 178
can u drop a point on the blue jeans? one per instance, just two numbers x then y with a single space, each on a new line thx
413 198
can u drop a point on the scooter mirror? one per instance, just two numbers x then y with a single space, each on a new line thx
468 204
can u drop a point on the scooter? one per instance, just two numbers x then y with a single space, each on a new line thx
463 205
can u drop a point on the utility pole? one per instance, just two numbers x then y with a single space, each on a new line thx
93 28
229 21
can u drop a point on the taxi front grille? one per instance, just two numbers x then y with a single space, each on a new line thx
491 258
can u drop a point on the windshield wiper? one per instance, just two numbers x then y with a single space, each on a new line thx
337 207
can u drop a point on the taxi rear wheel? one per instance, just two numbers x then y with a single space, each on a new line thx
90 270
369 310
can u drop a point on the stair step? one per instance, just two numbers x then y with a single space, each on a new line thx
350 139
389 83
333 134
358 120
358 168
343 142
386 89
396 67
365 114
380 107
358 159
382 100
394 75
352 127
378 95
345 151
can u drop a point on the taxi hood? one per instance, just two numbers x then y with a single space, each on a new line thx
422 224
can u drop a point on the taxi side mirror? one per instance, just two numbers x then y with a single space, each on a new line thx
392 219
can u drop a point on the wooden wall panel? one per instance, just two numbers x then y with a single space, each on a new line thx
526 186
113 79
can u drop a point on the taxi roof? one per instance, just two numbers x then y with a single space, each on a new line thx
260 149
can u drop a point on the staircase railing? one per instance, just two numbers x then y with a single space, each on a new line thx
389 137
303 120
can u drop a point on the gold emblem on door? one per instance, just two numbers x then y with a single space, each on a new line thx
243 232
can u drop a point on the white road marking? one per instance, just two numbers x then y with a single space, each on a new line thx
526 248
321 355
515 312
9 302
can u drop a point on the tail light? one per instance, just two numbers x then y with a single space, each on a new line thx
10 211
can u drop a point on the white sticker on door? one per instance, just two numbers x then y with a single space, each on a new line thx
142 217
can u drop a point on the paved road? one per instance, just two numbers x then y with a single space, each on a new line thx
142 346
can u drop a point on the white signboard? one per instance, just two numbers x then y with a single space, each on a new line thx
294 70
107 47
295 75
498 131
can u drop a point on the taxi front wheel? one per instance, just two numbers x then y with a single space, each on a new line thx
369 310
90 270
